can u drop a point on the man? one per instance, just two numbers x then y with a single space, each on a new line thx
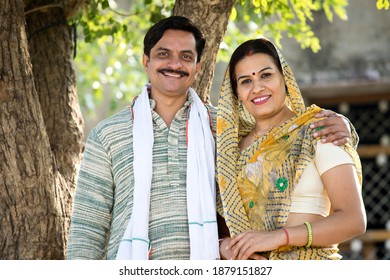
146 187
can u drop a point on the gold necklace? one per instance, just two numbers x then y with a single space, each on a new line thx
257 137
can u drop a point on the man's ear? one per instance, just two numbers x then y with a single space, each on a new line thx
145 62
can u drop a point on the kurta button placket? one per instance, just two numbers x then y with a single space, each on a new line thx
173 156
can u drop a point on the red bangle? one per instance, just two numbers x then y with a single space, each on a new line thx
287 236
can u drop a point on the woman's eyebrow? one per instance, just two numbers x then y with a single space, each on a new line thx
261 70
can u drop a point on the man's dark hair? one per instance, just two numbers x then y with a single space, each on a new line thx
174 23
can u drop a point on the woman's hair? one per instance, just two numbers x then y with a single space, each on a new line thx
248 48
156 32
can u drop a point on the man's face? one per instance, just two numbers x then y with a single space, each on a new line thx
172 65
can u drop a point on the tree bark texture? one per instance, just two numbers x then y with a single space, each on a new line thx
50 46
33 211
212 17
70 7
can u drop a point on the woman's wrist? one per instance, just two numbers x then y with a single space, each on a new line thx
287 236
282 237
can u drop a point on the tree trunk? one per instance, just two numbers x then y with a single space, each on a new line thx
212 18
50 46
33 213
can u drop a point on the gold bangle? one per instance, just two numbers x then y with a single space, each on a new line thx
309 233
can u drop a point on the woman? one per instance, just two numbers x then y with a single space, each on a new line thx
284 195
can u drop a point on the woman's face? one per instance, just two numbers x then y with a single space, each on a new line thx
260 86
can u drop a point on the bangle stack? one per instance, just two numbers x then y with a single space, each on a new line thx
309 234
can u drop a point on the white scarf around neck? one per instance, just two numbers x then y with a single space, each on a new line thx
201 193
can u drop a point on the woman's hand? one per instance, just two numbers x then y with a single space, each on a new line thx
336 128
245 245
226 253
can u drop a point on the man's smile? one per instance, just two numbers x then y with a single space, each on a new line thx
173 73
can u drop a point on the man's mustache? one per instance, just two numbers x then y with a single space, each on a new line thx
168 70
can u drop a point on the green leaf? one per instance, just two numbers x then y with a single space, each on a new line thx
379 4
264 4
105 4
341 12
382 4
233 14
256 3
327 11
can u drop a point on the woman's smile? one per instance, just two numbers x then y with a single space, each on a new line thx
261 99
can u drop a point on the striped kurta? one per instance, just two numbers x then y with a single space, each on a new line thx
104 195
